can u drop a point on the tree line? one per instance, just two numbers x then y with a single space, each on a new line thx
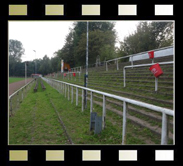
102 40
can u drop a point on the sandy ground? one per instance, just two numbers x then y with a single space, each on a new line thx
17 85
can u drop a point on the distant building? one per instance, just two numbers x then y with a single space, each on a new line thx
36 75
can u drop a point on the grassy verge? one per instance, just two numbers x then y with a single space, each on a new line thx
77 123
35 122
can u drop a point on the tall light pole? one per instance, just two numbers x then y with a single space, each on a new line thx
86 75
35 61
26 64
25 72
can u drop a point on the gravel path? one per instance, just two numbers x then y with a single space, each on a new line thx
17 85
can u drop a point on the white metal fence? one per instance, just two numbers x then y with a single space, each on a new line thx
18 96
65 87
144 65
165 51
161 52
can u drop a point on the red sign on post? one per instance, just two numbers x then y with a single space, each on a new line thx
74 74
64 74
151 54
156 70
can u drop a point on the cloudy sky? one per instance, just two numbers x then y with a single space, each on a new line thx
46 37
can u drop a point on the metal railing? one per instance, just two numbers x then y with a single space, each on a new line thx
131 58
76 69
144 54
65 87
143 65
18 96
68 75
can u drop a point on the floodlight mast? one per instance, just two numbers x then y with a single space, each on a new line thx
26 64
25 72
86 75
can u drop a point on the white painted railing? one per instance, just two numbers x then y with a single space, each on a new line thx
164 51
143 65
76 69
22 90
65 87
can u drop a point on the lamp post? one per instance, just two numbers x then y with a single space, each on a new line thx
26 64
86 75
35 61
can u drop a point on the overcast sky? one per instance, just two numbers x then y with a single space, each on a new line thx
46 37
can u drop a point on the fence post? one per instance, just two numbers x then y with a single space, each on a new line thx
11 110
125 108
17 99
65 90
106 66
132 61
22 95
124 77
117 65
91 102
25 90
164 132
156 84
60 87
68 92
104 112
82 100
72 94
76 96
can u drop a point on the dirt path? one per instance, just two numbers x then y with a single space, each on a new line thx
17 85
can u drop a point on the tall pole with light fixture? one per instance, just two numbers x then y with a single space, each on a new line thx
86 75
25 72
26 64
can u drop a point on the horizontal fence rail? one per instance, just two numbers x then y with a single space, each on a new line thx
144 65
21 89
160 52
164 51
18 96
64 86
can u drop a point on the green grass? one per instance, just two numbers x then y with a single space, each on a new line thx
15 79
133 88
35 122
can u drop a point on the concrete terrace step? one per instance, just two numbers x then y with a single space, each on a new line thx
130 72
153 115
137 81
122 64
138 121
135 77
155 129
121 88
134 71
139 85
168 103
